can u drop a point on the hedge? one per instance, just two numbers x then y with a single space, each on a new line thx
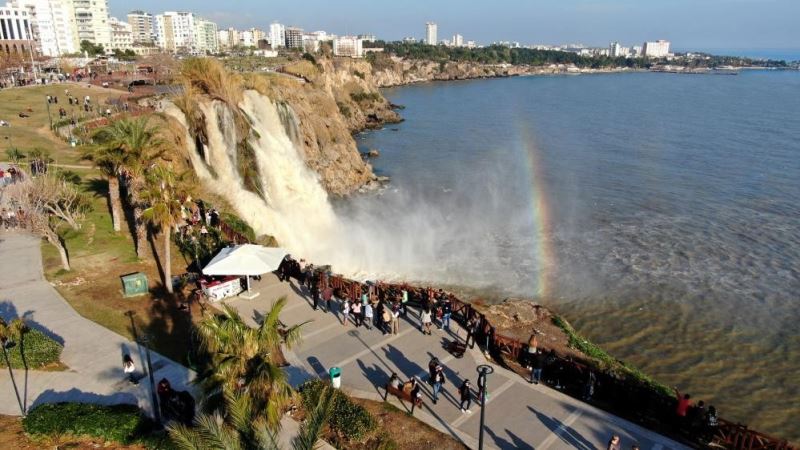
40 350
347 418
119 423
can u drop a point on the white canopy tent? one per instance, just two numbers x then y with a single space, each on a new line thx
245 259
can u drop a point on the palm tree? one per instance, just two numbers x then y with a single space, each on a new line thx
110 159
241 428
9 332
164 198
141 146
247 360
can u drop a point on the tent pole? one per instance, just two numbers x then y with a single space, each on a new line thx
248 283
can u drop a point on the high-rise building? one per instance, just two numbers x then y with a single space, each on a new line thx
458 40
206 38
294 37
431 30
16 31
228 39
175 31
614 50
142 27
92 22
348 46
121 35
52 25
277 35
657 49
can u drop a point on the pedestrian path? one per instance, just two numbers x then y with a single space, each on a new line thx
518 415
92 353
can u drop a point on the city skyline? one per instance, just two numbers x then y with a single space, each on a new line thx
744 24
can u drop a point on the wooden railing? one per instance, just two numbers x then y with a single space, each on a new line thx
738 437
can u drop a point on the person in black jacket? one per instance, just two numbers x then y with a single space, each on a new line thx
465 392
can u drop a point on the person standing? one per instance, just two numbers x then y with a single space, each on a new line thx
357 317
345 311
427 319
538 365
327 294
465 394
368 316
472 330
387 319
314 291
447 310
682 408
395 318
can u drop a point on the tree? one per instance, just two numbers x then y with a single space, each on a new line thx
140 146
164 196
10 332
47 202
241 428
109 158
246 360
92 49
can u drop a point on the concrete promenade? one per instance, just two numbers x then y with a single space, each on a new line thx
518 416
92 353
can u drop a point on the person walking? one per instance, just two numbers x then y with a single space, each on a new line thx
345 311
613 443
427 319
130 369
327 294
314 291
438 382
387 319
465 394
357 317
368 316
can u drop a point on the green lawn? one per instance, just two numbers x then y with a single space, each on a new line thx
33 132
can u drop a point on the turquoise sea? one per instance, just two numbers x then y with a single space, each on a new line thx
659 212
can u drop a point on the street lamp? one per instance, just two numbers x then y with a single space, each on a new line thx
483 371
156 410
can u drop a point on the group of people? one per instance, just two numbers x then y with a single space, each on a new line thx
9 176
696 420
12 219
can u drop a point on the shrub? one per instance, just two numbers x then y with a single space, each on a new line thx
347 418
368 97
606 361
40 350
118 423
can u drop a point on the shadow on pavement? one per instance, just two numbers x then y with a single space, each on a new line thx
567 434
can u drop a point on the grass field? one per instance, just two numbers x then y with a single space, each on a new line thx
33 132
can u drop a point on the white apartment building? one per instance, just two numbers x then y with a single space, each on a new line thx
431 29
121 35
348 46
92 22
175 31
457 41
657 49
277 35
53 25
228 38
142 27
206 36
16 31
294 37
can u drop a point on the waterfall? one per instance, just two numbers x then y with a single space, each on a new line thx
371 237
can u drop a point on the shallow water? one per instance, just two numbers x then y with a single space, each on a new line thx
659 212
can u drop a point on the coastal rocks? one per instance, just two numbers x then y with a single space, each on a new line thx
373 153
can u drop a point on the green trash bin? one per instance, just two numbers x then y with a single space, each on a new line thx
336 377
134 284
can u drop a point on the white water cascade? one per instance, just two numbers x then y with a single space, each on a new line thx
402 240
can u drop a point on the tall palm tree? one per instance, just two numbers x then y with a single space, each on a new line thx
247 360
241 428
141 146
164 196
109 157
10 332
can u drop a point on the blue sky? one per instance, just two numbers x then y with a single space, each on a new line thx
689 24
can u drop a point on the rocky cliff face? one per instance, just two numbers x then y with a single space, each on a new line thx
332 100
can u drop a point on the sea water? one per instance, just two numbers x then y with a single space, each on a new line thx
659 212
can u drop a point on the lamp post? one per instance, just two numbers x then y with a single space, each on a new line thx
483 371
156 410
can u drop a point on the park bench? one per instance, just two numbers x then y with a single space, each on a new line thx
402 395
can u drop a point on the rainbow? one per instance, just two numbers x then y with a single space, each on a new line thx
542 220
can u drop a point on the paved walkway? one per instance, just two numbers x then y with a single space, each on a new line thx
518 416
92 352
